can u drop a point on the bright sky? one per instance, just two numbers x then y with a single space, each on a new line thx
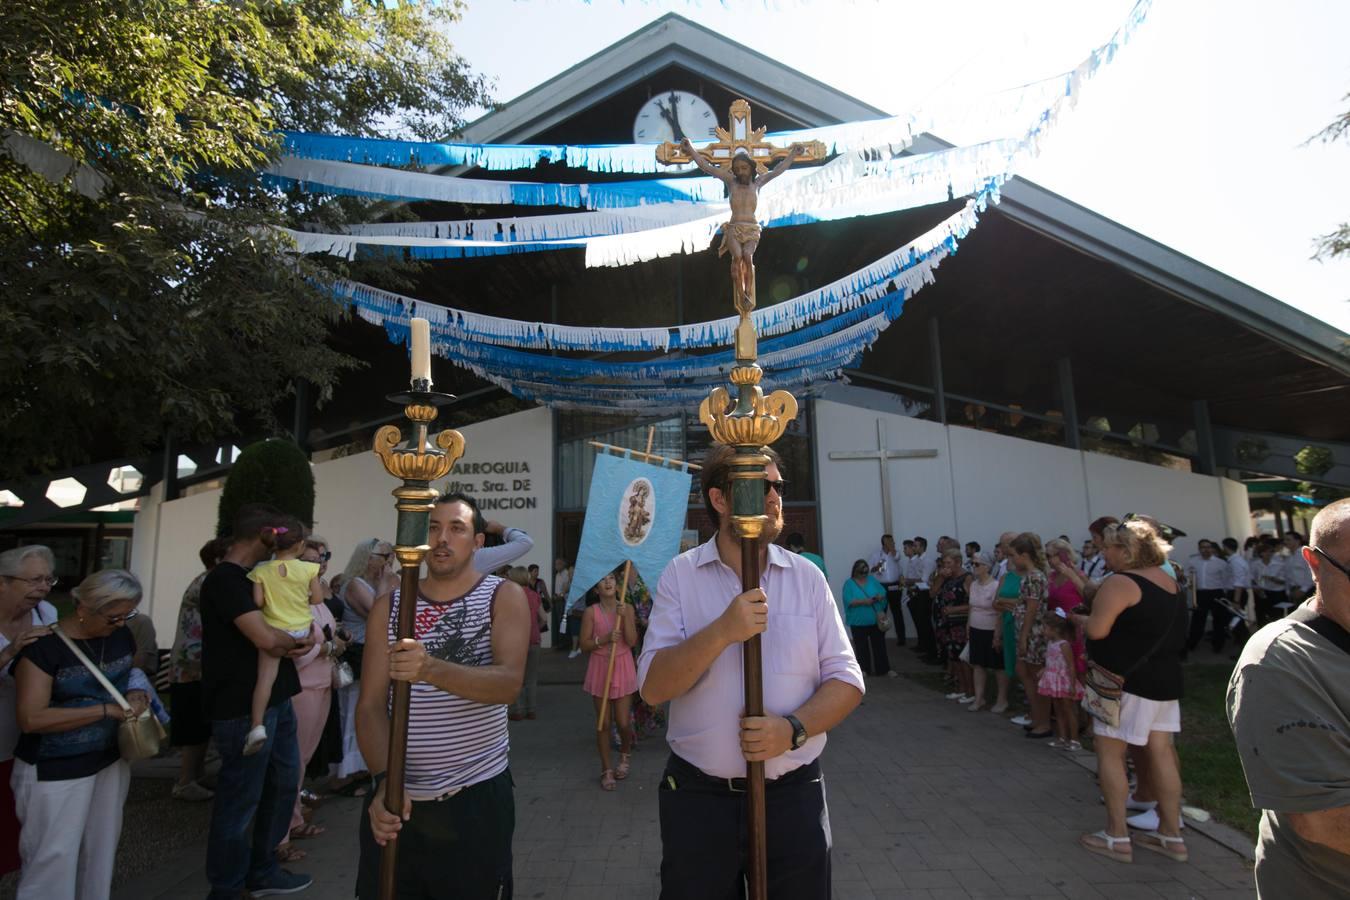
1195 135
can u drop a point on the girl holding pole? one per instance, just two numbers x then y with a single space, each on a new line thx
609 633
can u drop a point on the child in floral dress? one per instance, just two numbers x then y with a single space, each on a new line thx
1059 681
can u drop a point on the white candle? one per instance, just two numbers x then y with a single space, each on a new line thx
421 350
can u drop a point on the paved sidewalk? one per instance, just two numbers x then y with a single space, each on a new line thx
927 801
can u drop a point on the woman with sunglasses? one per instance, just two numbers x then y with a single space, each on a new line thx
25 615
70 780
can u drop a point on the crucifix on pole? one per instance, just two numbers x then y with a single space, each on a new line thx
884 456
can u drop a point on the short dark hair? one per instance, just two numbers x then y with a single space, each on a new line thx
213 551
906 542
534 566
891 536
716 473
795 540
921 540
974 544
1230 543
251 519
479 523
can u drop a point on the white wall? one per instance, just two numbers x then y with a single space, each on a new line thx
353 501
982 484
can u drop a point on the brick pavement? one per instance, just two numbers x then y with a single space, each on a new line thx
927 801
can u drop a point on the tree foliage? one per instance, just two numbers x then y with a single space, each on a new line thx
163 302
1337 242
275 472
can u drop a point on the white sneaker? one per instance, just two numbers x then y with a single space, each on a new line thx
954 695
1021 720
892 674
1147 821
192 792
1139 805
255 739
1072 746
576 651
1055 744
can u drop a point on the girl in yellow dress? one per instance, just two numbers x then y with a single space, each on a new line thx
284 587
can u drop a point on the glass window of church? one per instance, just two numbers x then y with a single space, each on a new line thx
576 457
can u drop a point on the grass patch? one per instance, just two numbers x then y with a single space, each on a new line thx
1211 771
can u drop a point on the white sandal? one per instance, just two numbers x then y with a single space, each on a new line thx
1158 843
1108 846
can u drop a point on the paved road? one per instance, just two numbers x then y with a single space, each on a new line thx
926 801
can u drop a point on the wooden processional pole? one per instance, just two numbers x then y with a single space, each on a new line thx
417 463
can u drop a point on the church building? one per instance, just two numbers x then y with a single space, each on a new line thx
1061 367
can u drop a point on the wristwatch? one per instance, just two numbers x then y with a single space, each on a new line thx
798 732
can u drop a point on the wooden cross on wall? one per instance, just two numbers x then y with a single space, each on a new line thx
884 456
740 136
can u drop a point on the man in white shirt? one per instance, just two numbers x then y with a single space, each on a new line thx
1213 581
1268 580
1240 577
1093 564
888 567
692 656
1298 580
919 572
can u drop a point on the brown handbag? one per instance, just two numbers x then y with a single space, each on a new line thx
137 738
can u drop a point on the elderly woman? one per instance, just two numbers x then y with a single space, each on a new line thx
69 779
369 574
951 619
189 730
25 581
1137 630
312 704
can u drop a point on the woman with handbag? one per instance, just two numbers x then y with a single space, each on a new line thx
79 725
1136 635
318 674
864 611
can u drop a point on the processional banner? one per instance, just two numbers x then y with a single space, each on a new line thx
636 512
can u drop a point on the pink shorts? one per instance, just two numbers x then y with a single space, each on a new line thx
1139 716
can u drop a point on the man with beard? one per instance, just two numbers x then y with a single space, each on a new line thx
693 658
466 663
740 236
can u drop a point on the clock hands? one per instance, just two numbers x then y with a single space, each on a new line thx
669 114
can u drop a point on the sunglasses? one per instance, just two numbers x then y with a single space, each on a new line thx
325 556
1343 569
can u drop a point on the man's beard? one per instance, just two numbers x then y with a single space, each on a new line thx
773 527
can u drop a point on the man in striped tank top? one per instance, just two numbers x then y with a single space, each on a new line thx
465 664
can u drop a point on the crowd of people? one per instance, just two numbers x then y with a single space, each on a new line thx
281 667
1052 618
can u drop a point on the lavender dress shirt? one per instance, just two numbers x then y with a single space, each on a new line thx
805 645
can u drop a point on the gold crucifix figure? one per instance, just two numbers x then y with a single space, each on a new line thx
734 158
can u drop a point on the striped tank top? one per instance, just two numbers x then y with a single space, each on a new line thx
453 742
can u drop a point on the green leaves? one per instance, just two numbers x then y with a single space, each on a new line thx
164 304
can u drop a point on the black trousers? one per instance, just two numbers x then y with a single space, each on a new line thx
454 849
895 607
1265 606
1206 607
869 645
703 836
921 611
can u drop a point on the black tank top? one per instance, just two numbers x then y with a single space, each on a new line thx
1159 616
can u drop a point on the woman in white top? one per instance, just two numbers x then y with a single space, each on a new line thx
984 619
368 575
25 615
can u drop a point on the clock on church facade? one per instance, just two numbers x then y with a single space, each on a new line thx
673 116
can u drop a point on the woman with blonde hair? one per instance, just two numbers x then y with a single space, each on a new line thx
1137 630
1028 558
70 780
